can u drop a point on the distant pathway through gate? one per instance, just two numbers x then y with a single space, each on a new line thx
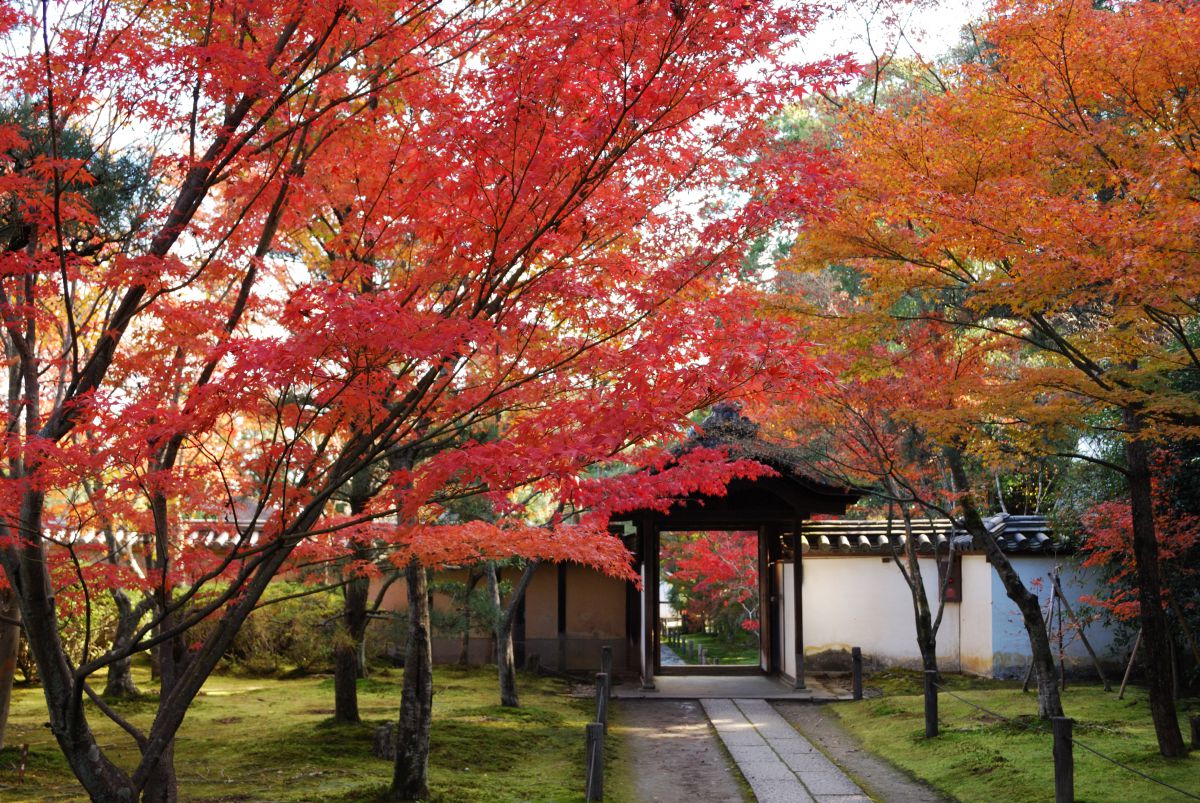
780 765
668 657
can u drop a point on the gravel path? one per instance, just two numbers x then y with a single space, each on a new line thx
672 754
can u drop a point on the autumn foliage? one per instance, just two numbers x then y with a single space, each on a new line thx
714 579
423 251
1109 537
1034 203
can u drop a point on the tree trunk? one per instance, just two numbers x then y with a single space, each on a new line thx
464 640
1156 638
25 565
345 681
120 673
506 665
1049 702
346 669
119 684
505 662
10 642
464 647
410 780
162 786
923 618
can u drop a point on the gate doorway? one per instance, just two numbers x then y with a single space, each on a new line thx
771 509
710 602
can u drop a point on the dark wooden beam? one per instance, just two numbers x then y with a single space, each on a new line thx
765 618
798 602
562 617
775 592
649 601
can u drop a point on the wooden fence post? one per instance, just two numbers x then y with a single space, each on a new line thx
595 762
1064 761
602 699
931 704
1195 720
856 671
606 661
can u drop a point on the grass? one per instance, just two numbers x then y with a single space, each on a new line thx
981 757
739 653
272 740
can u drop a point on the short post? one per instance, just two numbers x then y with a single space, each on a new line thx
1195 720
856 671
602 699
931 704
701 655
1064 761
595 762
606 663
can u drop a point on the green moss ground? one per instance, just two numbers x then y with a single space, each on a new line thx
737 654
271 740
980 757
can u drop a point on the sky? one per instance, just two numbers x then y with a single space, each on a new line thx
932 27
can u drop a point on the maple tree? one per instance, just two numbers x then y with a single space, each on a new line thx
714 576
898 397
1109 534
1044 194
376 228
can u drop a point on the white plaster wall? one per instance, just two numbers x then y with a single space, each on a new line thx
863 601
787 613
975 615
1010 644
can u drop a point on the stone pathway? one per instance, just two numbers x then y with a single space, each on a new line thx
668 657
780 765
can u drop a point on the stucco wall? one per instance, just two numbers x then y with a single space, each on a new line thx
852 600
975 616
863 601
595 618
860 600
1010 644
541 605
595 604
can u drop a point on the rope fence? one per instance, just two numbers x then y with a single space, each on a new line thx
594 731
1061 731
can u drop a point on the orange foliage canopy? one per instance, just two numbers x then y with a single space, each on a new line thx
1043 195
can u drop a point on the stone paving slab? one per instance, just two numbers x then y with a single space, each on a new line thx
725 687
777 761
829 783
757 756
794 793
811 761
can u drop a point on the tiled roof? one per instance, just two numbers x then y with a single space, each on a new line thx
1019 534
206 533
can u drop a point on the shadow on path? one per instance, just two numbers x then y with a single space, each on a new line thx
681 750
